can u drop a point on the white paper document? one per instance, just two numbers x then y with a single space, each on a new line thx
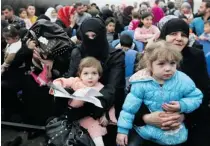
85 94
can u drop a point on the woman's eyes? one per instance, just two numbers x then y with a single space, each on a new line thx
174 34
173 63
184 35
161 63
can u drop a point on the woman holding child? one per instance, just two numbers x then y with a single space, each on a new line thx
176 32
95 44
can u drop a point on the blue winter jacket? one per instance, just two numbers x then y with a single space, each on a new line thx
145 89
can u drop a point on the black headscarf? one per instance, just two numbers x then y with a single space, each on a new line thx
97 47
174 25
106 13
127 12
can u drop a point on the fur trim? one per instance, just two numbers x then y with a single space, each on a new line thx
141 75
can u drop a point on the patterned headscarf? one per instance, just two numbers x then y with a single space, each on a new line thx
65 13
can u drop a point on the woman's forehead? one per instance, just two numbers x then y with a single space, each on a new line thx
176 32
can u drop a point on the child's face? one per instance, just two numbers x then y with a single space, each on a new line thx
31 10
89 76
207 28
110 27
23 14
147 21
163 70
10 40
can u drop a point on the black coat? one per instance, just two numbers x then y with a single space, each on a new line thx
68 30
113 79
194 65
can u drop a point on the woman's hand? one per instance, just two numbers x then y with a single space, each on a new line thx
164 120
48 63
103 121
72 20
122 139
31 44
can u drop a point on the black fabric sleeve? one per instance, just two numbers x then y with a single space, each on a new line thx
202 82
138 121
74 61
68 30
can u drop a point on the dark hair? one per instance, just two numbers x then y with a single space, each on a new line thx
112 5
93 4
135 15
56 5
144 3
4 24
143 16
207 3
21 10
157 1
126 40
7 7
77 5
78 34
10 31
171 5
110 20
30 5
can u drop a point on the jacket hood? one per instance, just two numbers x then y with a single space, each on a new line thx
142 75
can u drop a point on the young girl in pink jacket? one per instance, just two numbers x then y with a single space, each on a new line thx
89 72
146 31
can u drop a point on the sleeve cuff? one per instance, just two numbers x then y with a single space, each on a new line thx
183 107
123 130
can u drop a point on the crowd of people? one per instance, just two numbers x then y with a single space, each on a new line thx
150 63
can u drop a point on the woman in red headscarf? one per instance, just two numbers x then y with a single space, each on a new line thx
66 19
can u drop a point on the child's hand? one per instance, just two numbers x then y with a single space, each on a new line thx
173 106
122 139
51 91
202 38
103 121
76 103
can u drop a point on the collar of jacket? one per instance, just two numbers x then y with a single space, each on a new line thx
143 75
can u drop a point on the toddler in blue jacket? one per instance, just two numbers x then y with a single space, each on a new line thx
160 87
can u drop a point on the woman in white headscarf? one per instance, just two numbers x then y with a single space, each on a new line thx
51 13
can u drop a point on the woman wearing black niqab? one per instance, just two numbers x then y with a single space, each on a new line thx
95 44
